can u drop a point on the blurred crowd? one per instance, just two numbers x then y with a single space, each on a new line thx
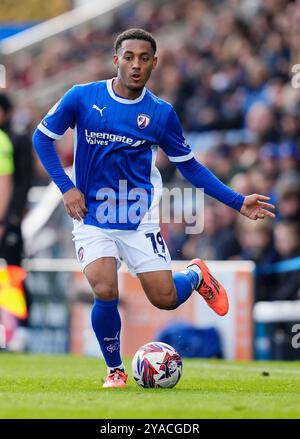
226 67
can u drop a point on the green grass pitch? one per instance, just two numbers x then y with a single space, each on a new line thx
34 386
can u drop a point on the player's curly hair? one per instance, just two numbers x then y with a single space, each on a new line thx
135 34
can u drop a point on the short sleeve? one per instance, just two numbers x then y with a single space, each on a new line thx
6 155
173 142
61 116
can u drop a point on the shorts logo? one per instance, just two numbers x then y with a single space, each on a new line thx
143 120
80 254
162 256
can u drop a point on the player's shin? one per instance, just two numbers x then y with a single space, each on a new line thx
106 323
186 282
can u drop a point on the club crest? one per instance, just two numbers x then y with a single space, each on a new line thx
81 254
143 120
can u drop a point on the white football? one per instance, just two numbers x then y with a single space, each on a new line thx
156 365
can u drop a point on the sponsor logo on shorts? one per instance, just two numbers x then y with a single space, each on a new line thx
80 254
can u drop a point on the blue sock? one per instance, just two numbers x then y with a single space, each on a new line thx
185 283
106 323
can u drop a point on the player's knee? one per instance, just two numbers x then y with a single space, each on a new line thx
165 301
104 291
167 304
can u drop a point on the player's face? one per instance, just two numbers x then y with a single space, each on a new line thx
135 61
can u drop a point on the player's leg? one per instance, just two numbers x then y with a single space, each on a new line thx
147 256
167 290
106 322
159 288
98 257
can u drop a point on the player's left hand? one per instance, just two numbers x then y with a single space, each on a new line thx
255 207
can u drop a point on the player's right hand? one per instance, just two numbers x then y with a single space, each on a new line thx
75 204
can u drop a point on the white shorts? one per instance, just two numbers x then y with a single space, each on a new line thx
142 250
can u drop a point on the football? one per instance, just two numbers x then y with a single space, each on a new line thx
156 365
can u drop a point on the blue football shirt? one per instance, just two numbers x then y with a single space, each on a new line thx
115 146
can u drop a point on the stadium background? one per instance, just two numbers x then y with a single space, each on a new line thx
226 68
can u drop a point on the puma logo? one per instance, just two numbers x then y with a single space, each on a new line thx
112 339
161 256
99 109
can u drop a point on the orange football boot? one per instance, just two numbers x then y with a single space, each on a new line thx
117 378
211 290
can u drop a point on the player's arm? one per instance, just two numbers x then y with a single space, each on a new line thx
252 206
173 143
53 126
6 178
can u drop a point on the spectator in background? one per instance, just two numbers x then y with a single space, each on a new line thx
261 179
287 244
256 243
288 194
241 183
261 121
175 237
268 159
288 156
228 247
217 241
18 177
206 242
